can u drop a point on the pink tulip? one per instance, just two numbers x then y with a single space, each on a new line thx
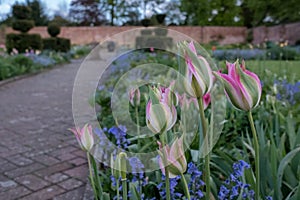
185 102
134 97
84 137
206 100
173 158
161 114
198 75
160 117
167 95
242 87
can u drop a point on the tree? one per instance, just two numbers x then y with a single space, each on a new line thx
225 13
37 14
87 12
211 12
260 12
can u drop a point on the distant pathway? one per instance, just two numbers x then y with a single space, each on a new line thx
39 158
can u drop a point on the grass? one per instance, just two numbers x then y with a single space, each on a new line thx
288 69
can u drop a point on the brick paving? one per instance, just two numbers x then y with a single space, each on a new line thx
39 158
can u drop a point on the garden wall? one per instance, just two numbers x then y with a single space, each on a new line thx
206 34
85 35
289 32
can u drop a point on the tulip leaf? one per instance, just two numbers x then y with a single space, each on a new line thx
134 193
282 166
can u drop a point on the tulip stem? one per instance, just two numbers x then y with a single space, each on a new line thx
168 195
91 175
256 149
207 157
185 187
137 125
124 187
118 192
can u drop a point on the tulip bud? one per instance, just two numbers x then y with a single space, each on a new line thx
161 114
206 100
119 165
185 102
84 137
173 158
160 117
242 87
167 95
134 97
198 74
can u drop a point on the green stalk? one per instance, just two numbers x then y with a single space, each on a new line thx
256 149
138 125
91 176
207 157
97 178
124 187
185 187
118 192
168 195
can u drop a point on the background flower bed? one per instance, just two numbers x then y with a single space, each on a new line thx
19 64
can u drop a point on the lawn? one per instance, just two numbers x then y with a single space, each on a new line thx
290 69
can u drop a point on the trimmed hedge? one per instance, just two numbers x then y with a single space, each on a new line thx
23 42
57 44
23 25
21 12
53 29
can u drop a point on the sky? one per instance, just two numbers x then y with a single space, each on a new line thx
52 6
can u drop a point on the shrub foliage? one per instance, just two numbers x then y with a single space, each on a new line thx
23 25
53 29
57 44
23 42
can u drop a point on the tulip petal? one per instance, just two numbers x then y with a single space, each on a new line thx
232 91
251 85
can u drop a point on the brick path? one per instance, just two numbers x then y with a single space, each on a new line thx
39 158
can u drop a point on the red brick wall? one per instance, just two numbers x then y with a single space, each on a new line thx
224 35
85 35
277 33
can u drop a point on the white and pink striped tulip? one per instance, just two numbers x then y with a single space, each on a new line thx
84 137
198 75
242 87
172 157
134 97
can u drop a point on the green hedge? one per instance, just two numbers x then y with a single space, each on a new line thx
53 29
21 12
57 44
23 25
23 42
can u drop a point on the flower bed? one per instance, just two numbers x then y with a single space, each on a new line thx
18 64
187 141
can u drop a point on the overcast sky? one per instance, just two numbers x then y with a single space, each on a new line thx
52 6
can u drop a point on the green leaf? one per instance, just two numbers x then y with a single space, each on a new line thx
134 193
291 132
285 161
105 196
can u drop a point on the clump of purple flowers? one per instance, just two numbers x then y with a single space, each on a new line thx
233 186
119 132
288 91
195 183
137 170
173 184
